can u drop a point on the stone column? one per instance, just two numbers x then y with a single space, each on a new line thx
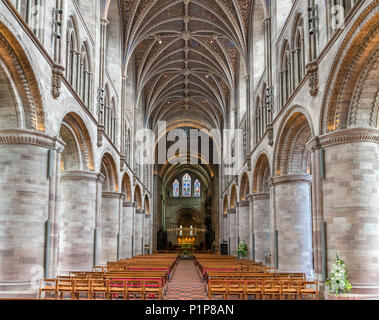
293 222
351 204
109 226
138 231
243 221
226 228
127 230
146 238
261 208
78 208
251 228
232 217
25 206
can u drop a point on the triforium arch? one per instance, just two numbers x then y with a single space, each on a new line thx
355 66
22 95
292 180
261 208
78 152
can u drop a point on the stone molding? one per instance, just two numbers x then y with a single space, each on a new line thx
140 211
147 215
349 136
243 203
82 175
31 137
260 196
110 194
300 178
127 204
232 211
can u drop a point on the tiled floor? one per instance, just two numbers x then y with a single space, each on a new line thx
186 283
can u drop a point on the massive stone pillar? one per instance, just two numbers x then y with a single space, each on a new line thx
261 217
79 203
351 205
293 222
109 227
127 230
25 208
139 220
233 230
243 221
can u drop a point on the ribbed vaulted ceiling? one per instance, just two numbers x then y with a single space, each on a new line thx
186 54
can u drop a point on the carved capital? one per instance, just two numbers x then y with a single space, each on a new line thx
349 136
31 137
301 178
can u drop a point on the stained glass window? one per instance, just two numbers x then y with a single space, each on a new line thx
186 185
196 187
175 188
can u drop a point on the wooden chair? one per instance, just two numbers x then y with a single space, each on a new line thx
82 286
309 288
217 288
117 287
65 286
99 286
135 288
271 289
290 288
48 285
153 288
235 287
253 288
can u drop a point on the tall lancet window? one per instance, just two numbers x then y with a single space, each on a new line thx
186 185
196 188
175 188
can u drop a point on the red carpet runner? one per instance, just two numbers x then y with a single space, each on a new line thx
186 283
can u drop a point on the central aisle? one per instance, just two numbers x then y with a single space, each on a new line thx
186 283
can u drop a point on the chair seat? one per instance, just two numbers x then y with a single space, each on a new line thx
308 291
48 289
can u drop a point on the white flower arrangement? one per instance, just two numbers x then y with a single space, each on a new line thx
242 249
337 281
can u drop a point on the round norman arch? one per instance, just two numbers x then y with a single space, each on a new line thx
126 187
290 155
138 197
109 170
261 174
355 66
16 74
244 187
233 197
78 153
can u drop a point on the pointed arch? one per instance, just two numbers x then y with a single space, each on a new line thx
233 197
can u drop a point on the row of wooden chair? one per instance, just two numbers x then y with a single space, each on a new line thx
263 289
106 288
